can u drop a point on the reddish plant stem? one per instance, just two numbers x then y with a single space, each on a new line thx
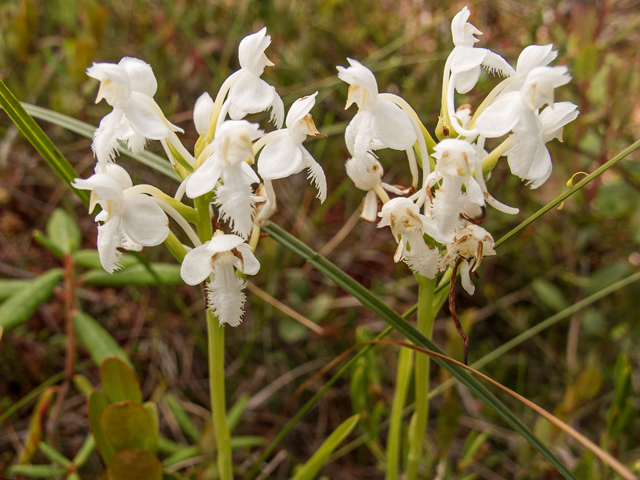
452 309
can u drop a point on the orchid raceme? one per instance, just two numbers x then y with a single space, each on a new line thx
218 259
128 87
129 221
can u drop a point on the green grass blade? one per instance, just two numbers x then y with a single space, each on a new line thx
310 469
410 332
39 140
569 192
86 130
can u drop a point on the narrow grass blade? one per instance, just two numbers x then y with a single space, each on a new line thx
310 469
569 192
410 332
149 159
39 140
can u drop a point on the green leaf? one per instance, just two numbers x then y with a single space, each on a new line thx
47 243
39 140
119 381
182 418
98 342
551 295
129 424
410 332
37 471
315 463
63 231
11 287
98 403
168 273
22 304
86 130
131 464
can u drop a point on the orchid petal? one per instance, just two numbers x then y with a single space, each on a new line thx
144 221
202 112
501 116
196 265
280 158
140 74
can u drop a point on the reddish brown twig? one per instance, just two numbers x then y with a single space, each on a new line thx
452 309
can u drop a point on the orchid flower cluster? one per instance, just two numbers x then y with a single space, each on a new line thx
219 173
435 221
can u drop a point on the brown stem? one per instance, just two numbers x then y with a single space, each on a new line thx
70 359
452 308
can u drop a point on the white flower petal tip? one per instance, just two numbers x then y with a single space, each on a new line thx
202 112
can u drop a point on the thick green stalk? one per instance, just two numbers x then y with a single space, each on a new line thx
215 335
418 426
405 363
217 392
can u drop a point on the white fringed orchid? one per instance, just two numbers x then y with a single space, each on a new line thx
131 221
231 148
128 87
517 111
372 184
283 154
248 93
218 260
465 63
469 245
379 123
408 227
456 166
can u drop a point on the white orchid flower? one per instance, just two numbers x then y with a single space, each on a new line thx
218 259
372 184
518 112
408 227
128 87
465 63
469 245
232 146
456 165
283 154
379 123
248 93
131 221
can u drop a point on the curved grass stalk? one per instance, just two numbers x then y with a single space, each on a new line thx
599 171
607 458
39 140
85 129
411 333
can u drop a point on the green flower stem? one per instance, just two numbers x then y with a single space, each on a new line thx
491 160
418 427
215 335
217 392
403 377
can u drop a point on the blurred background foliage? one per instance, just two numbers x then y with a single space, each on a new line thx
584 369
